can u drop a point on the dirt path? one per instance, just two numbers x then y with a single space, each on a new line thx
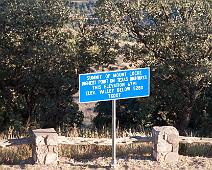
185 163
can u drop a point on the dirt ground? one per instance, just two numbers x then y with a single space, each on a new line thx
102 163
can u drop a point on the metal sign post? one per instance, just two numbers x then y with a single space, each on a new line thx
114 85
114 162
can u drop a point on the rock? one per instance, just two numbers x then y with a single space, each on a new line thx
159 156
175 147
163 147
39 140
165 143
51 158
45 146
171 157
51 140
173 138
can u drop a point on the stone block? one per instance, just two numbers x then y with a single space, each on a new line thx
45 146
159 137
40 158
165 143
170 157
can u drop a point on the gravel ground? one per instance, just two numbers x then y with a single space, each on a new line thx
185 163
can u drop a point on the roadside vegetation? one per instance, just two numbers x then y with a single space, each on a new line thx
174 39
21 154
44 47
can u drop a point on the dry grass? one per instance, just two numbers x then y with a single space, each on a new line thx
15 154
103 133
196 150
12 133
95 151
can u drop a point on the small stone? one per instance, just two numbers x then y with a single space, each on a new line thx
159 156
163 147
171 157
51 140
40 158
39 140
175 147
173 138
51 148
51 158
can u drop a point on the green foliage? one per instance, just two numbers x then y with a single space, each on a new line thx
37 69
130 114
202 113
92 44
174 39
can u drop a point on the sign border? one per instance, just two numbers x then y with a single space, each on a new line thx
148 68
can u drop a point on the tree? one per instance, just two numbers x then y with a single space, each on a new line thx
37 69
92 43
174 39
130 114
202 113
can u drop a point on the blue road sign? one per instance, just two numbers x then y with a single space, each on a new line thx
114 85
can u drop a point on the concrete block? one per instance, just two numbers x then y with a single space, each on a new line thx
45 146
165 143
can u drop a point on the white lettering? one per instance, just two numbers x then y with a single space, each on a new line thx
107 76
132 83
96 87
122 79
120 90
127 89
135 73
123 74
94 77
91 83
90 93
116 95
112 80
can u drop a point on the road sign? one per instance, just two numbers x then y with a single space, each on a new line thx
114 85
